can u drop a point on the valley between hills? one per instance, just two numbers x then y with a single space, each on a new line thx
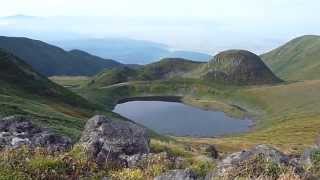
285 115
278 90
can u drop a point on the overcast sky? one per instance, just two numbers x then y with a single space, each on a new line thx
213 9
202 25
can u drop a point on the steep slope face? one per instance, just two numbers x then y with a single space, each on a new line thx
50 60
17 76
238 67
298 59
113 76
24 91
99 62
164 69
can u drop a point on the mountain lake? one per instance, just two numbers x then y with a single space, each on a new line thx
178 119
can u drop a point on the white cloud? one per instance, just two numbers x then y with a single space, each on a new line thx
165 8
4 23
203 25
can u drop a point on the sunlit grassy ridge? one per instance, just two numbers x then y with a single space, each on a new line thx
297 59
70 81
163 69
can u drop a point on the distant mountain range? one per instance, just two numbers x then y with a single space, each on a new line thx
296 60
299 59
236 67
129 51
51 60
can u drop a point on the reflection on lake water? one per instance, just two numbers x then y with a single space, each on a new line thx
181 120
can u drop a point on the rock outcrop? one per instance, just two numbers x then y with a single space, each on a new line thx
17 131
144 160
306 159
106 140
181 174
212 151
238 67
256 161
318 142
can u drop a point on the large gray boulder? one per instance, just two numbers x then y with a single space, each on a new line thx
17 131
181 174
105 140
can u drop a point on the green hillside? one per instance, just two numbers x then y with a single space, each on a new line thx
235 67
298 59
113 76
168 68
238 67
164 69
50 60
24 91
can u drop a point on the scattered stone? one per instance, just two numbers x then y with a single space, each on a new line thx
17 131
306 158
18 142
137 160
213 152
106 178
182 174
144 160
318 142
233 163
106 139
179 162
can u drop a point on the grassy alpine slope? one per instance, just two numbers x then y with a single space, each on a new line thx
286 117
297 59
24 91
163 69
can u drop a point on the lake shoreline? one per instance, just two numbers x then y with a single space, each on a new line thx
152 98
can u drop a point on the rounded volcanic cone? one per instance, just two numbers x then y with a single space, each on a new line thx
239 67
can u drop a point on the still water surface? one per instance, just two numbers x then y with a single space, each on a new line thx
181 120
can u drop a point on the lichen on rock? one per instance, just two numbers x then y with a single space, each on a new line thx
105 140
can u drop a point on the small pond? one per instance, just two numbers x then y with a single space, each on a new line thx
173 118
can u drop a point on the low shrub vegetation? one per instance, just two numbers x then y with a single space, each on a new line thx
257 167
315 168
24 163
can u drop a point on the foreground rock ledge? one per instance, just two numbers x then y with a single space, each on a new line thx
256 159
17 131
181 174
105 139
